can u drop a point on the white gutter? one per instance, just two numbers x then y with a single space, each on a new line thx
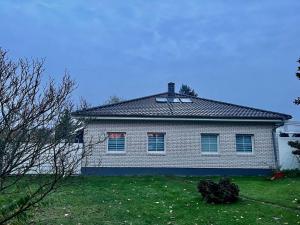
177 119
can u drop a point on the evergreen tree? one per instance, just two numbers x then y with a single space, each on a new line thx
297 100
187 90
65 127
114 99
296 144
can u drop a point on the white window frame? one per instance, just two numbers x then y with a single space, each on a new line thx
218 144
116 152
252 143
157 152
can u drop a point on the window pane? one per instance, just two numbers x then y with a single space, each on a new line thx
174 100
209 142
248 148
240 147
161 100
151 146
116 142
244 143
239 139
247 140
213 147
205 147
156 142
185 100
160 147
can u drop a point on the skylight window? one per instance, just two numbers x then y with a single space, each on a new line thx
186 100
174 100
161 100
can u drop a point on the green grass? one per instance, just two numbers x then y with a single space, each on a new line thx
168 200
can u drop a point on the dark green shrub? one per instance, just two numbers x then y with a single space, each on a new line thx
223 192
291 173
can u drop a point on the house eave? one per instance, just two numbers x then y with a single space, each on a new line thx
180 119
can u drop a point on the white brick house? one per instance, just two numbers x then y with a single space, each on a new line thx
170 133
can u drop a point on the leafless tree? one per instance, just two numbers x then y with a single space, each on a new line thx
83 104
30 110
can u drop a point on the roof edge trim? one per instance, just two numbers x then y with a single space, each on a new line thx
179 119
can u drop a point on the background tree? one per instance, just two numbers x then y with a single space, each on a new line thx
65 127
187 90
35 129
296 144
114 99
83 104
297 100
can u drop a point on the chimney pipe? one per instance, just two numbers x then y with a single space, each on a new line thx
171 90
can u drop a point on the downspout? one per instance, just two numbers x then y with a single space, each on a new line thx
275 149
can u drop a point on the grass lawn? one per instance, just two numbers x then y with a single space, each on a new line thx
168 200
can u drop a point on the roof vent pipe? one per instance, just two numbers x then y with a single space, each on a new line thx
171 90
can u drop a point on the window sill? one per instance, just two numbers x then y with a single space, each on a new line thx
156 153
115 153
245 153
210 154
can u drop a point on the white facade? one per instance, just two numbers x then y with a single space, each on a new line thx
182 145
46 165
287 160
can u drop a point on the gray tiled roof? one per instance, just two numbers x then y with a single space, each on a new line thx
199 108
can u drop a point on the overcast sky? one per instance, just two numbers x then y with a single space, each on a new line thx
242 52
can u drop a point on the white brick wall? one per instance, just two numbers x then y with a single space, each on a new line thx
183 146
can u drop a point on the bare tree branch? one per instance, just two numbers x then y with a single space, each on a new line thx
31 111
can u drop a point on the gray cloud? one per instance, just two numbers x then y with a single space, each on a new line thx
131 48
